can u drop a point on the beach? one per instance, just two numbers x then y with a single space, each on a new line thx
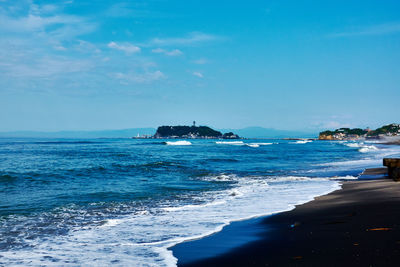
355 226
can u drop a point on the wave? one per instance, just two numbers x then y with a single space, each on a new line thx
252 145
363 148
143 238
220 177
257 144
301 142
178 143
366 149
353 144
230 143
241 143
262 144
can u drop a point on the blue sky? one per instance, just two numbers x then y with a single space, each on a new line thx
295 65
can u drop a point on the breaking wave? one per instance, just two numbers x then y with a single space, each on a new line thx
178 143
143 236
230 143
363 148
301 142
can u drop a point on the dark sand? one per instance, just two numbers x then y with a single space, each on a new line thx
356 226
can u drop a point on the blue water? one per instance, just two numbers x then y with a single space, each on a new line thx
125 201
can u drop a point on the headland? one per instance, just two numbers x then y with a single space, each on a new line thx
389 133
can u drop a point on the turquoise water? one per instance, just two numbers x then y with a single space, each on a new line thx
125 201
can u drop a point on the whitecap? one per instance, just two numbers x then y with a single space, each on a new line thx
230 143
366 149
178 143
252 145
302 142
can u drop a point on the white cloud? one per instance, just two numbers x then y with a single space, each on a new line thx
198 74
380 29
43 21
190 39
139 77
35 23
40 50
126 47
175 52
43 9
45 67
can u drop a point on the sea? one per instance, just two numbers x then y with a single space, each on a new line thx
126 202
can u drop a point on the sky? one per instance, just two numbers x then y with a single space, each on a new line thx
292 65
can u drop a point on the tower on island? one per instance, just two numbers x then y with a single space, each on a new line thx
194 123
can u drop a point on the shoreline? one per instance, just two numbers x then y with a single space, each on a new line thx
338 226
247 227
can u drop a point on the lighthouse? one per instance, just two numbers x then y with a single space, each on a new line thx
194 123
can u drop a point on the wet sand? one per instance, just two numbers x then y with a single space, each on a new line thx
356 226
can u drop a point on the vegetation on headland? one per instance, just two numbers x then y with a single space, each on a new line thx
357 133
191 132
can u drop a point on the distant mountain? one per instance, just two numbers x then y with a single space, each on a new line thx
125 133
260 132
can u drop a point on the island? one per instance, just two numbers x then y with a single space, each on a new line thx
188 132
191 132
386 131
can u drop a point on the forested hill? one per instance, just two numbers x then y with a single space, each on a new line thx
190 132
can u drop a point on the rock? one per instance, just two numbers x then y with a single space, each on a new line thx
393 165
230 135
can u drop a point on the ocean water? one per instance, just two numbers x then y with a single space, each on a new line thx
125 201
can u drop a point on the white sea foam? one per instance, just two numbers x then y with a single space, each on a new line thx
185 207
143 238
112 222
363 148
262 144
371 159
301 142
230 143
221 177
178 143
252 145
353 144
257 144
366 149
241 143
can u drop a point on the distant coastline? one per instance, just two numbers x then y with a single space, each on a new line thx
390 132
